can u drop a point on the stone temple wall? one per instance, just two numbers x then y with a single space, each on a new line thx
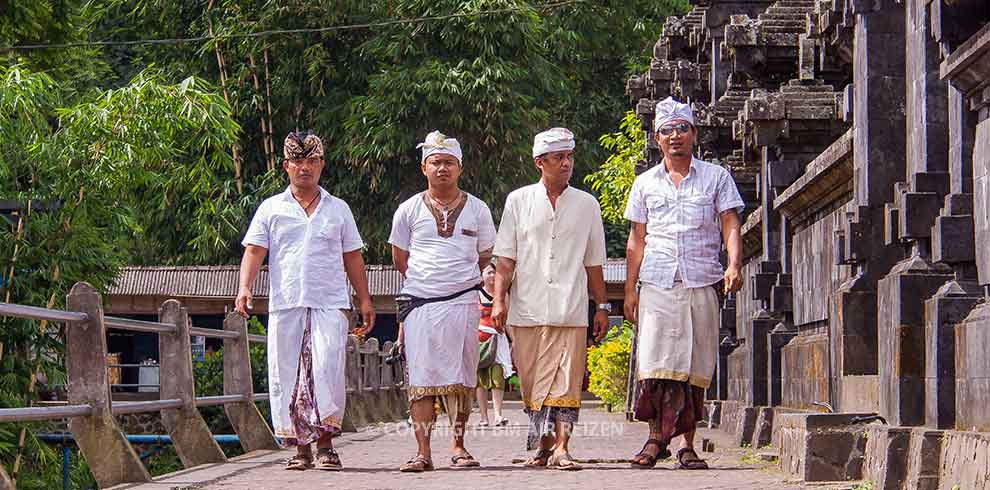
858 132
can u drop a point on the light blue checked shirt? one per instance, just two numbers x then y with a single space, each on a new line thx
683 231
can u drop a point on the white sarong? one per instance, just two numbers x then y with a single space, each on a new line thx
441 345
301 413
678 334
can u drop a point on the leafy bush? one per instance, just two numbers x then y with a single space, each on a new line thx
608 363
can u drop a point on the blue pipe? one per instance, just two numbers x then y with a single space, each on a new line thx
66 464
157 439
141 438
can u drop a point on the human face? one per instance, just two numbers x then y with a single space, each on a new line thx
488 277
680 140
304 173
442 170
556 166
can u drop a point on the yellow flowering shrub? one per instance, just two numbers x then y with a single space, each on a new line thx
608 363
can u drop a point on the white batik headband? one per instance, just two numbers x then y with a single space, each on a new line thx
671 110
554 139
437 143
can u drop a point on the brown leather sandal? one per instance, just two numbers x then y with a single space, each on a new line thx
464 460
645 460
328 460
563 462
540 459
690 463
299 462
418 464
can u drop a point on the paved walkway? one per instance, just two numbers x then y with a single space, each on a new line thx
371 458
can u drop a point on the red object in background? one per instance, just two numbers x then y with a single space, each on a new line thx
483 336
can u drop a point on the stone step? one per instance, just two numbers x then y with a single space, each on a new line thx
785 29
784 23
790 12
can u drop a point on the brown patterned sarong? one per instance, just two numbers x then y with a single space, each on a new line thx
671 407
303 410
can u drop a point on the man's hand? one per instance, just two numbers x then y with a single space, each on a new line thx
244 301
367 317
601 325
733 281
631 306
500 314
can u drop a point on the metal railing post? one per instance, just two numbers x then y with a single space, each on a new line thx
248 423
191 436
111 458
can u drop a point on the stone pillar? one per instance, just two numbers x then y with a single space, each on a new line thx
110 457
250 426
191 436
879 141
902 338
777 338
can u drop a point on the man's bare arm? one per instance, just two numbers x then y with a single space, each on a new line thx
400 258
505 268
358 277
732 236
635 249
254 256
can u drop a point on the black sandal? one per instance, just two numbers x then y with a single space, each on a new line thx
328 460
694 463
651 460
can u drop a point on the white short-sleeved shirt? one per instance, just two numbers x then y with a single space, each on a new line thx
305 253
440 266
683 231
551 248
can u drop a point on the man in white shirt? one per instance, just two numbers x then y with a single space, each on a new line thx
680 210
440 239
550 249
314 242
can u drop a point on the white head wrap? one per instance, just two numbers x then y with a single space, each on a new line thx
553 139
671 110
438 143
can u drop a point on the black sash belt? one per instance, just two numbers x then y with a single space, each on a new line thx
406 303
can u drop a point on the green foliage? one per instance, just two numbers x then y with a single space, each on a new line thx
97 179
615 177
608 363
865 485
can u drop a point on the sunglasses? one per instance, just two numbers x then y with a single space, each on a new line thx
680 127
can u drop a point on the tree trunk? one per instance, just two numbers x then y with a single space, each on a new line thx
268 104
265 131
235 152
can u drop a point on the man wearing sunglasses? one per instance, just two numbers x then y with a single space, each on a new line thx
681 211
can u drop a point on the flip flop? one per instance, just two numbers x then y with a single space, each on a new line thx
463 460
540 460
418 464
501 421
569 464
692 463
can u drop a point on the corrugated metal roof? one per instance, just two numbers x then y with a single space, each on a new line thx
615 271
220 281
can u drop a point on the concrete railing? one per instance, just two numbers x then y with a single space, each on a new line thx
374 388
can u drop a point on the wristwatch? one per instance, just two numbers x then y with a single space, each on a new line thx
606 307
